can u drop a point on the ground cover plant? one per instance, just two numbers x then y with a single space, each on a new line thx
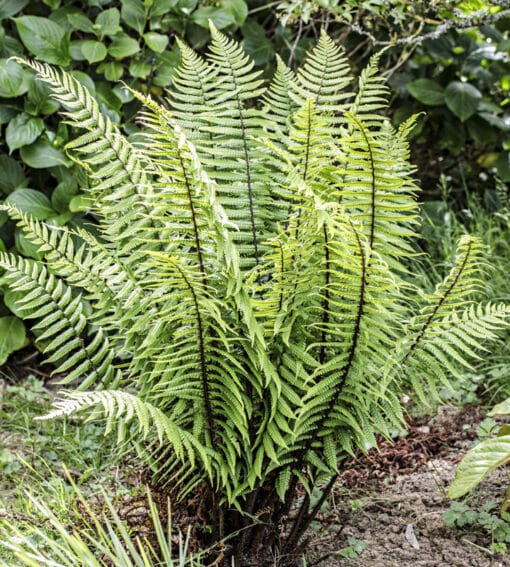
241 309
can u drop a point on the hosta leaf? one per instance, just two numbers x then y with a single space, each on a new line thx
42 154
156 41
477 463
31 201
12 175
14 80
10 7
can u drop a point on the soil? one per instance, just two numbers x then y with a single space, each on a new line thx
400 498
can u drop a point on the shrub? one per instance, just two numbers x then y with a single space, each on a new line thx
241 307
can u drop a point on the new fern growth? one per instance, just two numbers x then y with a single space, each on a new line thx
247 312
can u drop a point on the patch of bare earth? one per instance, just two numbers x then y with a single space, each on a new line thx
400 497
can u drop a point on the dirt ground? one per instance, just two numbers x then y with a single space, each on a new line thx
399 514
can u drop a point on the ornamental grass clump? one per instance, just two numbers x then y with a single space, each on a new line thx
243 308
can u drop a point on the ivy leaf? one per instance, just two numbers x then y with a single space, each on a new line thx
123 46
477 463
462 99
12 336
93 51
41 155
31 202
156 41
22 131
10 7
427 92
108 22
12 174
14 80
45 39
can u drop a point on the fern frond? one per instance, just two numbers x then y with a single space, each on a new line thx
372 96
121 408
118 171
84 263
377 190
324 77
61 323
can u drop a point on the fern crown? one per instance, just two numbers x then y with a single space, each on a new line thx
244 304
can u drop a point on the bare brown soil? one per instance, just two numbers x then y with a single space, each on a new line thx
400 499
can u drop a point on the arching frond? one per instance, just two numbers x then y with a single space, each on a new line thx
119 174
61 323
119 408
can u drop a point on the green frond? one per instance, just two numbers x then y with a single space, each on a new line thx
376 190
84 263
121 408
278 103
119 173
324 77
61 323
372 96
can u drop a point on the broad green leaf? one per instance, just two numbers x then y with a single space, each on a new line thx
256 43
140 69
9 8
39 100
45 39
156 41
12 336
80 203
503 166
12 176
224 14
80 22
7 114
123 46
62 195
462 99
107 22
477 463
41 155
93 51
11 299
31 202
23 130
427 92
112 70
133 14
26 246
502 408
14 79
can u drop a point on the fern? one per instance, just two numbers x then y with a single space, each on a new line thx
247 303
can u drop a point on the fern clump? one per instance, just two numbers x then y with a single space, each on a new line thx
244 304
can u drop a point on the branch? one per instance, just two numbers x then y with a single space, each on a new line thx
462 22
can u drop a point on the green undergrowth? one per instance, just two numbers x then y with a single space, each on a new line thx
487 217
51 463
